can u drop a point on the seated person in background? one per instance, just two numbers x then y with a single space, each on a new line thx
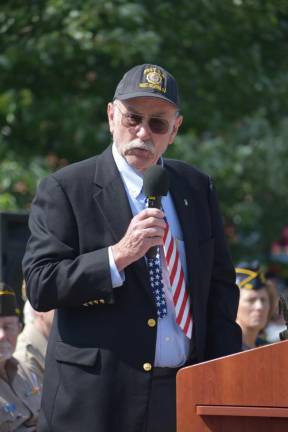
258 299
32 341
19 389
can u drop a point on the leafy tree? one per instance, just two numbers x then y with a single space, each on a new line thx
61 60
19 179
247 166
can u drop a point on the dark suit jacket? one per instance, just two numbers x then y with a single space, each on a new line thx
94 379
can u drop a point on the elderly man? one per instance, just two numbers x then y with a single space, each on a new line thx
19 390
127 319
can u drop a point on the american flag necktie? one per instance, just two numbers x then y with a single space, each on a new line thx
180 294
156 284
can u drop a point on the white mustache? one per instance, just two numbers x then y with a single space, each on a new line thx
138 144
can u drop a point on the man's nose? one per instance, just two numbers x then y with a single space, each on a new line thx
143 130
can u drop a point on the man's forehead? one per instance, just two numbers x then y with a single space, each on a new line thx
151 103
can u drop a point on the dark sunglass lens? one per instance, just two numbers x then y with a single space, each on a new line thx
158 126
131 120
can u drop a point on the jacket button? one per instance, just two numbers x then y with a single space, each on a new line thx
151 322
147 367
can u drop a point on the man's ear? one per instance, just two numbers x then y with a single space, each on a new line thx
177 124
110 115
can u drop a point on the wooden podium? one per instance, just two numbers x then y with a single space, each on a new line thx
244 392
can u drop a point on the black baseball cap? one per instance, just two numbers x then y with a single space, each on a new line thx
148 80
8 303
250 277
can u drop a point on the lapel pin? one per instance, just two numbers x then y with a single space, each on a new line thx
186 202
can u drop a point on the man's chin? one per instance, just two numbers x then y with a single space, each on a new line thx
139 152
139 161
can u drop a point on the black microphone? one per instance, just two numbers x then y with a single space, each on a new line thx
155 185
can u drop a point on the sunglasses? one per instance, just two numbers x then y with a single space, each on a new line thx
157 125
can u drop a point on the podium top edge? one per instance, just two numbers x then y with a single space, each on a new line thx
238 354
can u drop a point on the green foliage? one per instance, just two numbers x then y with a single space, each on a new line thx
251 179
230 58
19 179
60 61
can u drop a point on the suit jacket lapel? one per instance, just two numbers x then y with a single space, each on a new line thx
110 194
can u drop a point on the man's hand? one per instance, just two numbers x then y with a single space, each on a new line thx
145 230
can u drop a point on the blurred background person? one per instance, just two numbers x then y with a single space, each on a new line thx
277 323
19 389
32 341
257 304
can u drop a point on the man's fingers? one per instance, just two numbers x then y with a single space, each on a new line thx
148 219
145 230
150 212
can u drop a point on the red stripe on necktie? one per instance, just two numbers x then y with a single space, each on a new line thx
187 324
180 295
178 286
182 308
169 251
172 273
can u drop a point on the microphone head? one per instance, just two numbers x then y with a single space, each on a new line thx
155 181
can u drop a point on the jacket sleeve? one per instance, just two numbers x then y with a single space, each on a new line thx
223 333
56 273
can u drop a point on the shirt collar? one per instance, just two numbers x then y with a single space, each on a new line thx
133 179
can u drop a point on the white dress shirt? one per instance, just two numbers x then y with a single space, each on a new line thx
172 345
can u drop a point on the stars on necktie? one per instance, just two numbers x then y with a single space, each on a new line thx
156 284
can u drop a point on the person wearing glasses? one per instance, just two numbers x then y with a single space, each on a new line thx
20 393
124 322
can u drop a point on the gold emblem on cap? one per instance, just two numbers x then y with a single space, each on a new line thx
250 276
154 78
6 292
